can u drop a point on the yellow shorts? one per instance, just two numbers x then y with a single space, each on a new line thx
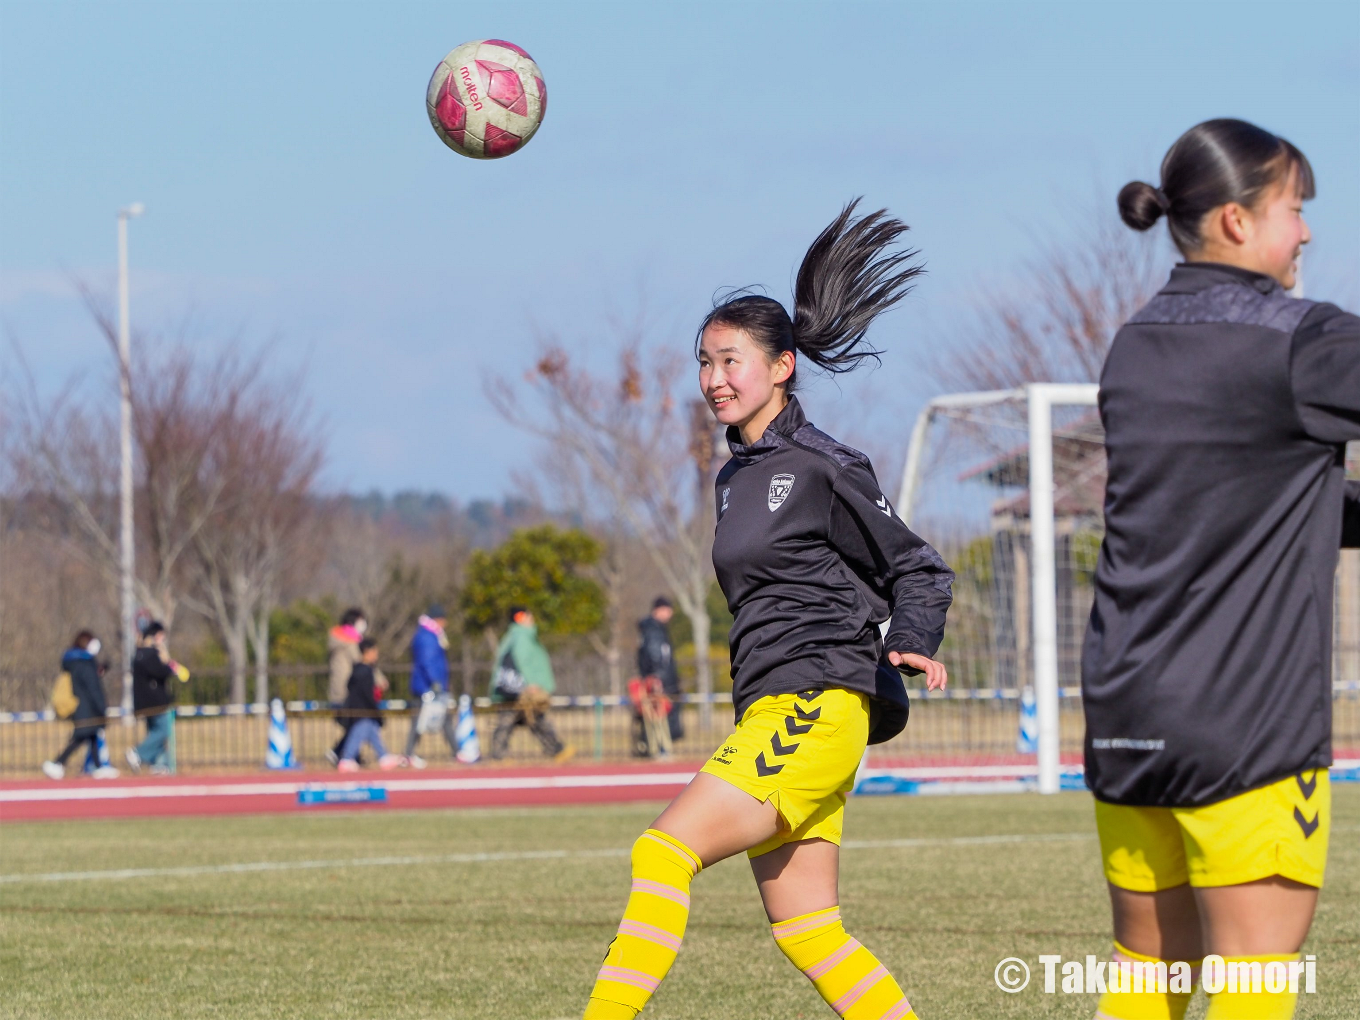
800 752
1280 829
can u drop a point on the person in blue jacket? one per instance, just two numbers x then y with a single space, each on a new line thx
79 661
429 675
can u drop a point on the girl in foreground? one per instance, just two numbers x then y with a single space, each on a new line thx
812 558
1206 675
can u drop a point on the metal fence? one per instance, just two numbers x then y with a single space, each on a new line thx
961 727
987 649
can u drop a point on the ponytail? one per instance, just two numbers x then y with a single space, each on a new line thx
1213 163
848 277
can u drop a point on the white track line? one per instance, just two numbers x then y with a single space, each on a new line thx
480 858
521 855
356 862
290 789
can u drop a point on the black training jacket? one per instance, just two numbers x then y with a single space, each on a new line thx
152 680
812 559
654 655
1207 664
361 698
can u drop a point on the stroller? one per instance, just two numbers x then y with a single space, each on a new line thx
651 707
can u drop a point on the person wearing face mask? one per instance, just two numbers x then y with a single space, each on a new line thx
153 698
79 661
342 652
1206 670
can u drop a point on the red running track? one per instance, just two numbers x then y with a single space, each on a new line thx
272 792
476 786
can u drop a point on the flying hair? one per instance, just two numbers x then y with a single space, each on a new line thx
851 274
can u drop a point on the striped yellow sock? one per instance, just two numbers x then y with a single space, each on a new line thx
1245 995
1148 1003
845 974
649 934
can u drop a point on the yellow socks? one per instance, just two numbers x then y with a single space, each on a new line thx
846 975
649 934
1148 1003
1244 992
1246 988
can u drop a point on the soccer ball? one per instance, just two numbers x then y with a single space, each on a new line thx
486 99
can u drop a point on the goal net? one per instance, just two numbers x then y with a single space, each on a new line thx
1008 485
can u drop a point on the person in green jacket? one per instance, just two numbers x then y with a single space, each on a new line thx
523 682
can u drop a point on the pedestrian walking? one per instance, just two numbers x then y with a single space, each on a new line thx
80 664
366 685
342 654
523 683
430 682
153 698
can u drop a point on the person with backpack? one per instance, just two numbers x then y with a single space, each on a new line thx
523 683
91 707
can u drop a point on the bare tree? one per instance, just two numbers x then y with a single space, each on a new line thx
66 448
264 459
649 460
1057 323
394 577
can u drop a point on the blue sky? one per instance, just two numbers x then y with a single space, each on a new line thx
297 197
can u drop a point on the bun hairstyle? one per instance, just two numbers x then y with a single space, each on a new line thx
848 277
1213 163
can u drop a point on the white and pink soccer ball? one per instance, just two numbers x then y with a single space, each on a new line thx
486 99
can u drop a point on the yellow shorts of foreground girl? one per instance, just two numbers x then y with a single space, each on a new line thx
800 752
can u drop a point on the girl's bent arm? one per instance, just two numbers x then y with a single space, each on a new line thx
1324 372
904 570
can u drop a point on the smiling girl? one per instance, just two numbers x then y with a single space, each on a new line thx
1206 674
812 559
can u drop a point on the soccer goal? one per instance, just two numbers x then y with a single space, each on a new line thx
1009 484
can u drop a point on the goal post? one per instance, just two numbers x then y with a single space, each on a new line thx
1041 399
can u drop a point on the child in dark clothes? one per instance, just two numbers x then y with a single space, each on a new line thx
366 685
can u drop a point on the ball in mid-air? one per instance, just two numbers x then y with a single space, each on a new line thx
486 99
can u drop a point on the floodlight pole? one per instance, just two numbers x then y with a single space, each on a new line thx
1044 611
125 543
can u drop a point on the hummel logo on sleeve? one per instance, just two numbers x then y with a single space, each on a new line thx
883 504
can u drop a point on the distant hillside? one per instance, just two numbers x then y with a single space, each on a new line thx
484 522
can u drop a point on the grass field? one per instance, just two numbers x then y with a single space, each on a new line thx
502 938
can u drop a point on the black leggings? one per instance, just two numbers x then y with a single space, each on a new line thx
80 736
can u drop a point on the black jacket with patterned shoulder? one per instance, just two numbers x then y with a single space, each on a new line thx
1207 665
812 559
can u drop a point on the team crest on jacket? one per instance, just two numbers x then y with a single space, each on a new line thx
780 487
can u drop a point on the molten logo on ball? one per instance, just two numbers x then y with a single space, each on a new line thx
486 99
